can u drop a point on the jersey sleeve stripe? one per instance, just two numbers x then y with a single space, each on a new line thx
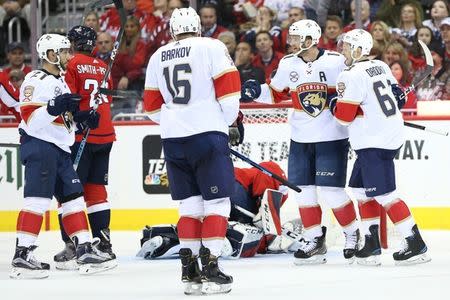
153 100
225 72
346 112
228 84
27 110
151 89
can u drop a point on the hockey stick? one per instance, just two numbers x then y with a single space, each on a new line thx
119 93
419 80
265 171
123 19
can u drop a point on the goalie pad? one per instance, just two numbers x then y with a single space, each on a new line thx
269 212
160 241
243 240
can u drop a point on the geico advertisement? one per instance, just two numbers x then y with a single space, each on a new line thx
138 175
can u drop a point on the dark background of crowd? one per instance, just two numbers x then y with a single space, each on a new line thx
255 33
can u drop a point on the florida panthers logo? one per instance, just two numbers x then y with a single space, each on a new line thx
312 97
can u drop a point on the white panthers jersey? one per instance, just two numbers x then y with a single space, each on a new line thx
36 90
379 123
192 86
310 84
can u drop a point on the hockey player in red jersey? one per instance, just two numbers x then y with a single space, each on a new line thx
9 96
245 235
84 75
368 103
47 132
192 91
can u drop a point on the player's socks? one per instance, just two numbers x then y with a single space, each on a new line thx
190 233
369 254
190 272
413 251
369 211
312 218
213 279
312 251
401 217
214 229
346 217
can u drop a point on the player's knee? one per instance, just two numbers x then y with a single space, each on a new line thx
360 194
386 200
334 196
308 196
73 206
36 204
220 206
192 207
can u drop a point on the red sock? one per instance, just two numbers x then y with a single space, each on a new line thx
398 212
75 223
29 222
189 228
345 215
369 209
311 216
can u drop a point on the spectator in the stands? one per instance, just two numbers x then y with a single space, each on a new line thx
365 16
445 32
16 77
208 18
13 9
92 20
266 58
381 38
127 72
265 22
389 11
110 20
104 46
295 14
395 52
415 53
16 58
282 7
160 36
229 39
401 74
410 20
243 61
439 11
333 29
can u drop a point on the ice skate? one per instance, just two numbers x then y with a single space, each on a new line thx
105 243
190 272
351 245
312 252
413 251
67 258
369 254
91 260
26 266
213 279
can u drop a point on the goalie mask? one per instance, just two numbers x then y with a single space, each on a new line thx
184 20
301 30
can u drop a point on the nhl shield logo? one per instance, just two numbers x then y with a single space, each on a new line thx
312 97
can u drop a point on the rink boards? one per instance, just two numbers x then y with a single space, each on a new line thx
138 187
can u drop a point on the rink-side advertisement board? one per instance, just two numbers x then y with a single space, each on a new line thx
139 189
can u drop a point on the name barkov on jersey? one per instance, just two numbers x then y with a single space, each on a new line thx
175 53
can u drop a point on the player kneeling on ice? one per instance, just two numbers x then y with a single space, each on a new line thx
192 90
368 105
249 224
318 152
47 132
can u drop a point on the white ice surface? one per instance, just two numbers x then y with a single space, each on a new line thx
263 277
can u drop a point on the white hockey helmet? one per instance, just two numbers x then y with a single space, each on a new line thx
54 42
359 38
184 20
304 29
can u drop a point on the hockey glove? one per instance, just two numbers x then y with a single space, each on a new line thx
399 95
236 131
251 89
89 118
332 104
63 103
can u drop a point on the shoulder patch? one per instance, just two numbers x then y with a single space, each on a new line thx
28 93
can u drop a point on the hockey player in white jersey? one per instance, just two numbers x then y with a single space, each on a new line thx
47 132
192 90
368 105
319 145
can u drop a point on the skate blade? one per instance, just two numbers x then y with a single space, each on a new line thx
350 260
149 247
373 261
211 288
70 265
89 269
193 288
315 260
22 273
415 260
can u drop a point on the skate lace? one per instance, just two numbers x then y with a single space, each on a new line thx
404 247
307 246
351 240
30 256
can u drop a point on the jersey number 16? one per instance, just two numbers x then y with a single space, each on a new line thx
181 90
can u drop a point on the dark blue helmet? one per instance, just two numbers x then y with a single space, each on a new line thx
83 38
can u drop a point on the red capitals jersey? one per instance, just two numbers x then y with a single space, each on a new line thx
256 182
9 97
84 75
